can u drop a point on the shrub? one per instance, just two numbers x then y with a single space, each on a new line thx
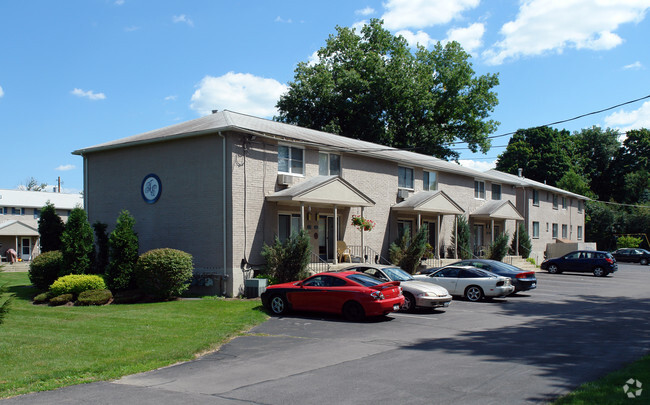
397 249
61 299
101 240
499 248
50 227
525 245
123 245
75 284
94 297
531 261
288 261
628 242
164 273
464 236
77 243
43 298
413 254
45 269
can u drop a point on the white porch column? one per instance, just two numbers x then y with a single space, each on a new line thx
362 255
492 230
455 236
438 238
336 236
302 216
517 233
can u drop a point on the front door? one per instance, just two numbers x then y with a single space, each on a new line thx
26 249
478 240
326 239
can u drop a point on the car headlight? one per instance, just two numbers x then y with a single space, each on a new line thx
427 294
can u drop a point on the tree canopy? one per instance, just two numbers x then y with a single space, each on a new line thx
371 86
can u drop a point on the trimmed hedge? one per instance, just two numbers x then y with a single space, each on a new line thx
75 284
164 273
45 269
61 299
94 297
42 298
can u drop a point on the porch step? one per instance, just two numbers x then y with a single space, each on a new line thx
19 266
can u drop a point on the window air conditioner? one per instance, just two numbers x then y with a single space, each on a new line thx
285 179
402 194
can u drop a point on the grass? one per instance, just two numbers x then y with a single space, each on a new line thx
609 389
44 348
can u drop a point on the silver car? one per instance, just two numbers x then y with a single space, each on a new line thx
470 282
416 293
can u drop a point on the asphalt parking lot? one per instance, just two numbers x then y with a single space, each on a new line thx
527 348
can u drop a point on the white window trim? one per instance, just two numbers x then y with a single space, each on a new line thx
533 230
533 198
430 172
288 145
484 192
329 169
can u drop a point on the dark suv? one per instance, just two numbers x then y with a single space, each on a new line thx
586 261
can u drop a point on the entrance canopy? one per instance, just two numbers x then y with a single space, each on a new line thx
500 209
434 202
323 190
17 228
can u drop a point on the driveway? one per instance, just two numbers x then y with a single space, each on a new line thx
528 348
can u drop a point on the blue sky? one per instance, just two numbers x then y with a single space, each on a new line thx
76 73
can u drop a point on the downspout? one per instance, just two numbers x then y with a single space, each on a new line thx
223 205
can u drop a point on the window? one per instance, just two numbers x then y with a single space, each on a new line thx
536 198
405 179
535 230
564 203
555 230
329 164
479 190
3 211
496 191
579 232
565 232
37 213
554 201
290 160
430 181
288 224
579 205
17 211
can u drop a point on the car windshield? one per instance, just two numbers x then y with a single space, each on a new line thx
397 274
364 279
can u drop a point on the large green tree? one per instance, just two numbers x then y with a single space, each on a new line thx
50 227
123 245
371 86
544 154
78 247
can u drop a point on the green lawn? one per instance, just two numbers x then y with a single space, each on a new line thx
609 389
43 348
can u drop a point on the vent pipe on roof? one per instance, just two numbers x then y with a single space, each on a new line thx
520 172
215 111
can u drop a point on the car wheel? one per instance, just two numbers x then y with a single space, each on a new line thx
409 303
644 261
600 272
553 269
278 305
473 293
353 311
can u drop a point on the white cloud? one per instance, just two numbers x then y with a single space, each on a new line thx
481 166
313 59
543 26
65 168
365 11
359 25
183 19
279 19
418 38
241 92
119 2
2 92
625 121
471 38
88 94
170 98
402 14
633 66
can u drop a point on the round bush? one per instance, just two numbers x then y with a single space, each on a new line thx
45 269
61 299
75 284
164 273
94 297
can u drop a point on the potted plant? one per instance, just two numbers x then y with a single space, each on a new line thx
363 223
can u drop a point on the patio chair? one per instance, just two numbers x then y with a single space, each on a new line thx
343 251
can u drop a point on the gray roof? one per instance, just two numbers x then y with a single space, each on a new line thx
37 199
223 121
524 182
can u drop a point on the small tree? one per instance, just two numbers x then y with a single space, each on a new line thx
101 242
525 245
413 254
50 227
628 242
123 245
288 261
464 234
397 249
78 246
499 248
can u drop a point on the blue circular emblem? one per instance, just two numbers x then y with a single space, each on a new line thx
151 188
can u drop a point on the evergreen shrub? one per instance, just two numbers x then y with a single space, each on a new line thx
61 299
75 284
164 273
94 297
45 268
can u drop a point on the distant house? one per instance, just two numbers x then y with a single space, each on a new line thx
550 213
19 214
221 186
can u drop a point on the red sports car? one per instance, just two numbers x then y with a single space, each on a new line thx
355 295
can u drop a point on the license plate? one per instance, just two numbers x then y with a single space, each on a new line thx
446 304
396 307
533 285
